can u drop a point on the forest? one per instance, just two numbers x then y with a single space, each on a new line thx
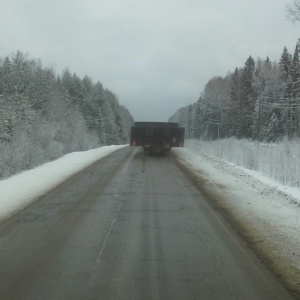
44 116
260 101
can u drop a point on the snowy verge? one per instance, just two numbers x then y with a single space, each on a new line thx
18 191
264 212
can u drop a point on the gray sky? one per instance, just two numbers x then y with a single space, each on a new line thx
155 55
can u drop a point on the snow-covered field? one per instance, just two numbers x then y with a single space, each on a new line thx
278 161
267 212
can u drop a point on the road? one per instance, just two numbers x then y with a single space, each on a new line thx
128 227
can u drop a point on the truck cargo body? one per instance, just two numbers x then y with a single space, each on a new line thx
157 137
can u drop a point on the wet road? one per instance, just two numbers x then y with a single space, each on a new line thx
128 227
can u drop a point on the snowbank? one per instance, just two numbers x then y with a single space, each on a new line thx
264 212
21 189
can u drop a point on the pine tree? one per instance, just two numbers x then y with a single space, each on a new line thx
188 125
247 98
287 92
285 63
295 75
6 84
197 126
268 63
272 129
235 103
100 127
43 116
286 118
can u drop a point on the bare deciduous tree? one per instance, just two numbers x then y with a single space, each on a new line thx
293 11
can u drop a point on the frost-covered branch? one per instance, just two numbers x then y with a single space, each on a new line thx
293 11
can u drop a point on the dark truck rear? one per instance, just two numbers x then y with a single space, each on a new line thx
157 137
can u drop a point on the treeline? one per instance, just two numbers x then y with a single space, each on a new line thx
260 101
44 116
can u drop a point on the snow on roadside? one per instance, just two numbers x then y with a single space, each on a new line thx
269 212
21 189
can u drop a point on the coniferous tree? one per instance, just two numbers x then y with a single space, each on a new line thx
295 75
235 104
287 91
198 122
188 124
247 98
43 116
263 98
272 129
285 63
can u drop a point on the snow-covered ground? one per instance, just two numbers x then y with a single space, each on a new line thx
264 211
267 213
21 189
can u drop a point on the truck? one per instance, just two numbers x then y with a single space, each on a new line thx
157 137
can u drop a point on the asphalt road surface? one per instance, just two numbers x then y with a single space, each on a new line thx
129 227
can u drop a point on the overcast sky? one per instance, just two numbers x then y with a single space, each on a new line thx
155 55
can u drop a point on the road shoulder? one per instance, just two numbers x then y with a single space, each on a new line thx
266 218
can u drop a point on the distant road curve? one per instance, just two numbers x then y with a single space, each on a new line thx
128 227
